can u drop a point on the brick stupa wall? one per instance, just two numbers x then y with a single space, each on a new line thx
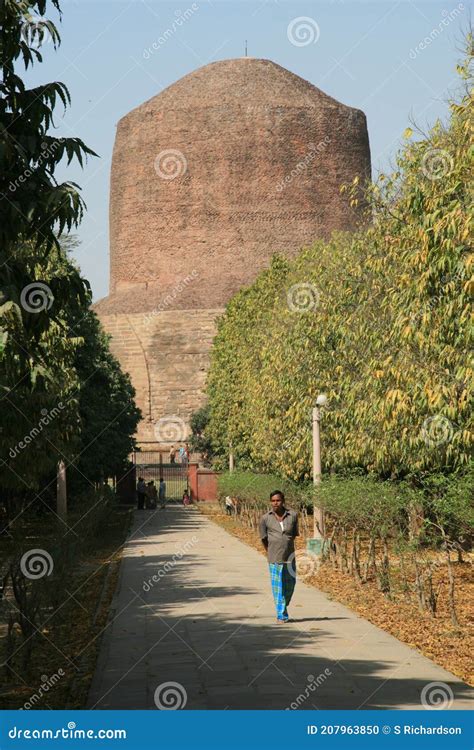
235 162
167 356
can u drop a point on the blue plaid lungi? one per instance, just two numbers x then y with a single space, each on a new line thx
283 585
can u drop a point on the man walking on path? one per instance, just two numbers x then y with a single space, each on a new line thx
278 529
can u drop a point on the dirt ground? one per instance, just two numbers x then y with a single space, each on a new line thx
60 669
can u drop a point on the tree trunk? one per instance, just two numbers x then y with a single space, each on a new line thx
452 604
416 519
384 574
356 557
405 585
332 553
344 563
419 586
432 597
371 561
351 564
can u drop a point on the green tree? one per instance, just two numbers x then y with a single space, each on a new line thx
37 290
378 320
80 407
38 379
34 208
108 414
200 440
33 205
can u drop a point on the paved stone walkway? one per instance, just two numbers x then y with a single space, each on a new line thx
207 623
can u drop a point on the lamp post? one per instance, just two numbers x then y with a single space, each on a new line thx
315 545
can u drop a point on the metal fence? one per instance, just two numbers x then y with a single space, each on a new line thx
150 467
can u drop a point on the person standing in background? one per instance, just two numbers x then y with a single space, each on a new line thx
152 495
162 493
148 494
141 493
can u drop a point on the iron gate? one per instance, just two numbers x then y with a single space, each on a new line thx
150 467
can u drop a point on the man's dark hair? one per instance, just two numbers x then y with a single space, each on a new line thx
140 479
277 492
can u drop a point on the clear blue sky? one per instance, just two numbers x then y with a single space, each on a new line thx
366 55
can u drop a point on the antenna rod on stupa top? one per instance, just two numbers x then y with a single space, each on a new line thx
245 48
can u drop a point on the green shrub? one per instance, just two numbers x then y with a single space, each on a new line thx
364 503
255 488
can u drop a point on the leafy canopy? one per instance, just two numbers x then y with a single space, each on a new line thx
378 320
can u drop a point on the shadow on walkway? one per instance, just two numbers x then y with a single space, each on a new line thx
194 608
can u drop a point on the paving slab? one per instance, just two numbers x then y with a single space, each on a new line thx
193 620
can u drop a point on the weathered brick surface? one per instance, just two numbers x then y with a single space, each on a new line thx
166 356
263 156
242 126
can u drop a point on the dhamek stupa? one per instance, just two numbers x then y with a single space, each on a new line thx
234 162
